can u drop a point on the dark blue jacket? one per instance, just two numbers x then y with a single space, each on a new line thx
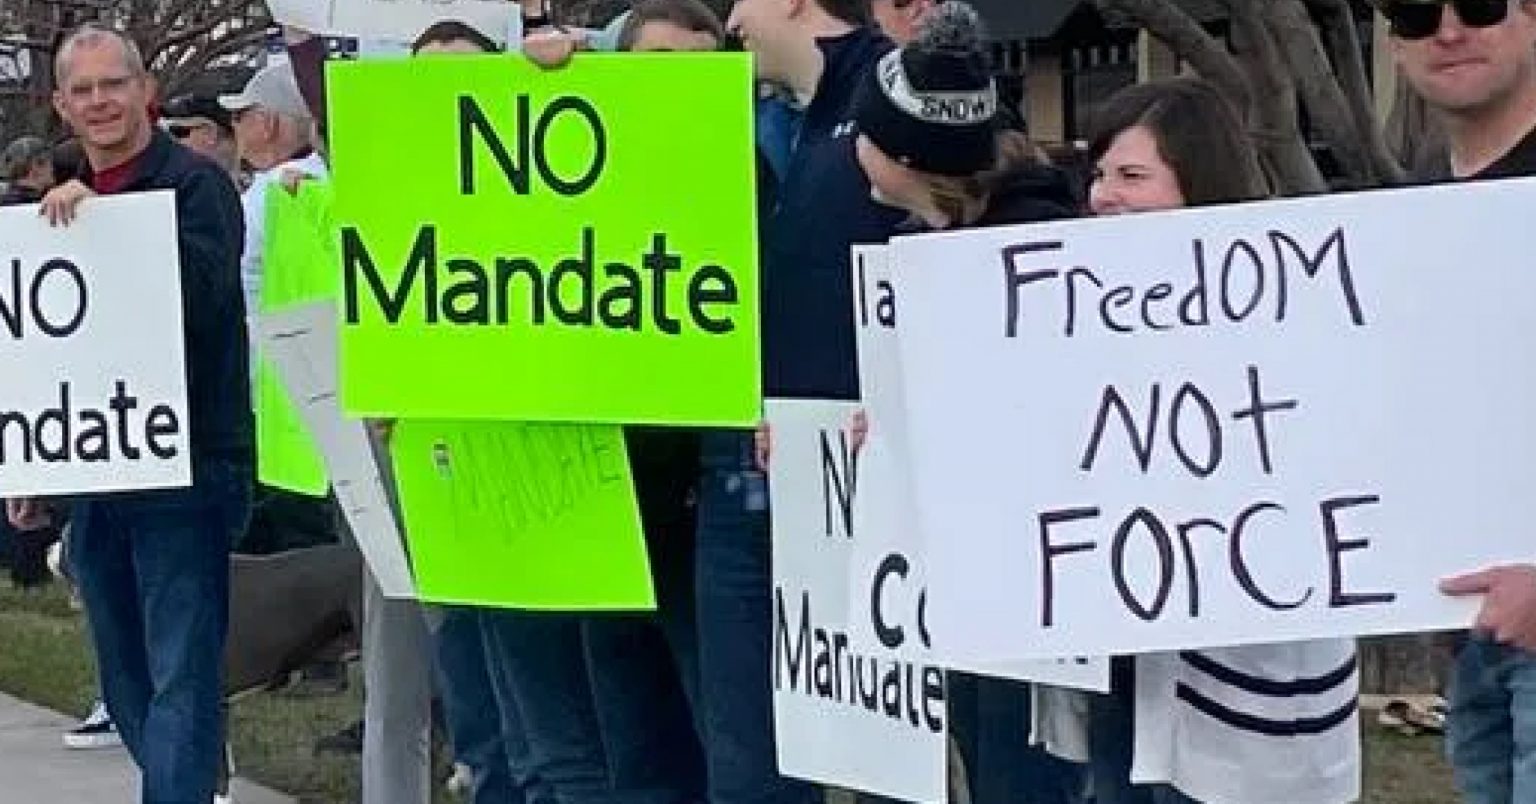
210 231
824 207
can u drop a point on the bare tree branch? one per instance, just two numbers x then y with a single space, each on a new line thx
1274 120
1175 28
1299 42
180 39
1342 39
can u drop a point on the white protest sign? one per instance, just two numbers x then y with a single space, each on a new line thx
888 568
863 720
91 350
301 343
397 20
1254 423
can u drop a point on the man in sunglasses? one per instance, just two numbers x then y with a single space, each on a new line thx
200 123
1474 64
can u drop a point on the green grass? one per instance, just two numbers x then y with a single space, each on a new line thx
1405 770
45 660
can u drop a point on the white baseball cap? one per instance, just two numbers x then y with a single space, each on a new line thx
272 88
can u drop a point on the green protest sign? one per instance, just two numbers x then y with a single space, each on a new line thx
531 516
571 245
298 266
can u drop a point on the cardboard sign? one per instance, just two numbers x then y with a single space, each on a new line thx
92 351
544 259
300 267
397 20
1255 423
867 720
301 343
888 562
519 515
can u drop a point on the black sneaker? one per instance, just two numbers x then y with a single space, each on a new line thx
96 731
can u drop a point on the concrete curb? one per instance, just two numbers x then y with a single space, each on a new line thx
35 765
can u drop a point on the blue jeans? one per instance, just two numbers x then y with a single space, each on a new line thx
1491 727
644 670
989 719
653 752
539 671
470 708
735 584
153 570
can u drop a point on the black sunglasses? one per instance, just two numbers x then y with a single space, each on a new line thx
181 132
1417 19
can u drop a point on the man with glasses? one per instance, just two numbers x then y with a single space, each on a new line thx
1474 64
202 124
153 567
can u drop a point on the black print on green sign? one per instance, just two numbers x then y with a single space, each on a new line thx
462 290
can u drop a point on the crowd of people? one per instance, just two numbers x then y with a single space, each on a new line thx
675 706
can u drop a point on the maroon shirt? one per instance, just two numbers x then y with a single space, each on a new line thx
116 179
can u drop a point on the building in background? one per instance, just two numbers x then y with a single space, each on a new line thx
1066 56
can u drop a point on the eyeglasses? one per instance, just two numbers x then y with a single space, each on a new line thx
180 131
84 90
1417 19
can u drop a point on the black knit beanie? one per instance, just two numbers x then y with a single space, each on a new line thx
932 105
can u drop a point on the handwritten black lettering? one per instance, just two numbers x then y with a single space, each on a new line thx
1015 278
1154 527
1338 546
1050 550
1243 572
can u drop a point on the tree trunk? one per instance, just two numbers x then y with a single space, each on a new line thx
1273 118
1343 44
1179 31
1297 38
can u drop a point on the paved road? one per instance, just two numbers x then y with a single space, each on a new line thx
35 767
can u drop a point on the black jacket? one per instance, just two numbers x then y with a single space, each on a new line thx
210 232
1032 194
1036 193
823 208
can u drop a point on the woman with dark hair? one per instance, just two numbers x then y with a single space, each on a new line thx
1180 136
931 143
1261 723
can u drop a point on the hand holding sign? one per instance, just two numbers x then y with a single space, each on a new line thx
62 202
1509 602
551 49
